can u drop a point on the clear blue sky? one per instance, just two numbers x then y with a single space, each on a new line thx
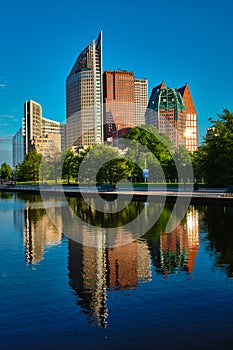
175 41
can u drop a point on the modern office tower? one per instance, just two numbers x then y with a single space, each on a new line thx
32 126
191 133
141 100
84 115
173 113
35 126
17 148
167 112
119 101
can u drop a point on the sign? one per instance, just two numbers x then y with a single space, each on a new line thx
145 172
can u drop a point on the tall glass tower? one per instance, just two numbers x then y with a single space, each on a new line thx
167 112
84 115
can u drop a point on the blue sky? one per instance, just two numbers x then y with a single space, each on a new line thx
175 41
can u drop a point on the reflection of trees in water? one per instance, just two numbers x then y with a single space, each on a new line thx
29 197
6 195
105 219
219 221
95 272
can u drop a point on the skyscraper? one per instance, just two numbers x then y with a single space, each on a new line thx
141 100
84 116
191 133
34 126
173 113
125 101
167 112
17 148
31 123
119 101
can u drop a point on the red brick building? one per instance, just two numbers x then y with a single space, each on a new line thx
118 101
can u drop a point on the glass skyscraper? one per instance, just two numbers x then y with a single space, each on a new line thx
84 115
173 113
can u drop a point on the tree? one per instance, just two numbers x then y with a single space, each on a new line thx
214 159
68 165
6 171
158 144
55 165
104 164
183 163
29 169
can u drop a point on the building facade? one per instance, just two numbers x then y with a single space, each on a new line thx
17 148
32 125
119 101
172 112
47 145
84 114
125 100
35 127
141 100
191 132
50 127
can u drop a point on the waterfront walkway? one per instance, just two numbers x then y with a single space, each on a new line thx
202 195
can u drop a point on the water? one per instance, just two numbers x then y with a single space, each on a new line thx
162 291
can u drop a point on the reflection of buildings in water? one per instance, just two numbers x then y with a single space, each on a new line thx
92 271
178 249
87 267
18 219
128 264
192 227
39 232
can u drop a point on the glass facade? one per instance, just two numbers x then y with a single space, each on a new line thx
173 113
84 118
167 112
17 148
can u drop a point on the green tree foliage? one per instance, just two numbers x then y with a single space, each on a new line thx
5 171
71 163
68 165
28 170
51 165
214 159
157 144
114 167
183 162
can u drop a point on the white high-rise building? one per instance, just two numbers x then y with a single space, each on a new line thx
36 126
32 126
84 115
141 100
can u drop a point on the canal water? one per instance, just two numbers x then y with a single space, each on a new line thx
160 291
